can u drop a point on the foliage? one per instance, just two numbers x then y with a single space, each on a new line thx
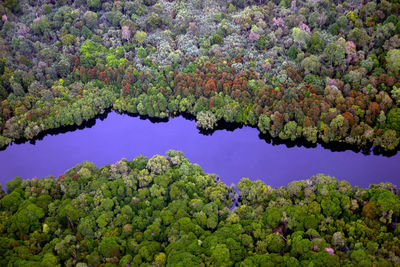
393 119
206 120
166 211
393 60
90 51
292 62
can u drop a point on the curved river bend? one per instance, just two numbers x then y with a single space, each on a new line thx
231 155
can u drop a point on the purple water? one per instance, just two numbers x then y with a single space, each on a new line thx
231 155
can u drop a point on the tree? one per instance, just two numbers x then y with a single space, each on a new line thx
206 120
90 19
49 260
217 39
209 87
358 36
220 255
396 94
289 131
393 60
26 219
393 119
183 258
300 246
158 164
68 211
338 240
115 16
337 126
316 43
110 247
13 184
272 217
292 52
11 201
40 25
140 36
300 36
389 140
331 207
94 5
311 64
310 133
275 243
90 51
342 21
13 5
17 88
86 227
334 53
359 256
387 204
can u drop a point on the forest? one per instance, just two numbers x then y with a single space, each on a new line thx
313 70
165 211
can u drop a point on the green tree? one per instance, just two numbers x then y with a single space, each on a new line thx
358 36
264 122
311 64
13 5
272 217
94 4
11 201
220 255
275 243
90 19
331 207
217 39
300 246
301 37
110 247
289 131
86 227
90 51
26 219
316 43
310 133
140 36
393 119
334 54
13 184
393 60
41 25
292 52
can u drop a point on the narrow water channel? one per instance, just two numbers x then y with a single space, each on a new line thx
230 154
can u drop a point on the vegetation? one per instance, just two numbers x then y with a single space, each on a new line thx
165 211
316 70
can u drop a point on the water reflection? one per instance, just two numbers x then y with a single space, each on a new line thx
232 152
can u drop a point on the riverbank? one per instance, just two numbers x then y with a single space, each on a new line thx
233 153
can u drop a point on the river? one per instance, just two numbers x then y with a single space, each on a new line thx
230 154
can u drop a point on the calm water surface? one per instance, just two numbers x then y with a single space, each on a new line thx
231 155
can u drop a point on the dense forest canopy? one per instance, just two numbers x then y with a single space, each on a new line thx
165 211
319 70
